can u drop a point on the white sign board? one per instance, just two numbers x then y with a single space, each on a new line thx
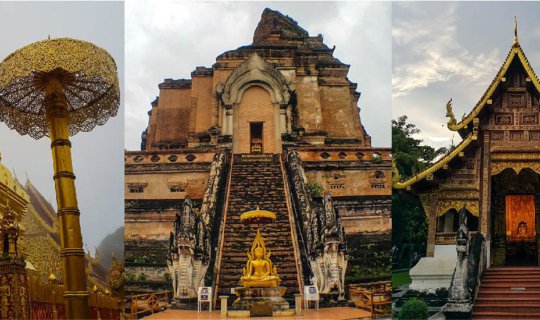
204 295
311 293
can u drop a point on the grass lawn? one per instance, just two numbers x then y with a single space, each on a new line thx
400 278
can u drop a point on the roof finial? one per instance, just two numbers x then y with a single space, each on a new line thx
515 31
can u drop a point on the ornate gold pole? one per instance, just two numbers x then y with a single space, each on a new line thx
72 252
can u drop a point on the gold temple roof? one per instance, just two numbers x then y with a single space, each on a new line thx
470 133
515 51
7 180
436 166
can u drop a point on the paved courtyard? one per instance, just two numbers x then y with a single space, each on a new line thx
327 314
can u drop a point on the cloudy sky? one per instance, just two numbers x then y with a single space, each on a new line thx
444 50
98 155
169 39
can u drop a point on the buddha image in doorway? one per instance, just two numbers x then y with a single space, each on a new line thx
520 227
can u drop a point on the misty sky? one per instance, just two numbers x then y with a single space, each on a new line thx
169 39
444 50
98 155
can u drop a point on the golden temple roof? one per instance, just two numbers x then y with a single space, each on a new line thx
470 133
8 180
515 51
436 166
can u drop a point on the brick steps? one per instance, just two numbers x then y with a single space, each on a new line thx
257 183
509 293
497 293
505 315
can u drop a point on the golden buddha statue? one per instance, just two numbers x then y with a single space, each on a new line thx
259 270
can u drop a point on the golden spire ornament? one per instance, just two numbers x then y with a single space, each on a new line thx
56 88
515 30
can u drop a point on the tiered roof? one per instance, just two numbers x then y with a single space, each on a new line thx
468 125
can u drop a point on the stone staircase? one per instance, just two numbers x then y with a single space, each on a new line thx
256 180
509 293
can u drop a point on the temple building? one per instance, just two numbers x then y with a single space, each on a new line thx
38 240
275 125
488 185
14 302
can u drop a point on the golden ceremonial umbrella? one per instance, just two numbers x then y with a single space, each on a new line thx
56 88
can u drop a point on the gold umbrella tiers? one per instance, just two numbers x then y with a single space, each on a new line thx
257 217
86 72
56 88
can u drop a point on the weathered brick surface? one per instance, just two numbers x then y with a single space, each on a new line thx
257 184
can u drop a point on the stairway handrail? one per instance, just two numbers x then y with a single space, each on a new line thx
298 216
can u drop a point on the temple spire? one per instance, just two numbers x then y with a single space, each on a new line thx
515 31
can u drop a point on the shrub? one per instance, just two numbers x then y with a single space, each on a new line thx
141 277
167 276
129 277
315 189
414 309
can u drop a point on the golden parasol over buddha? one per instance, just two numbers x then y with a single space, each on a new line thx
259 270
56 88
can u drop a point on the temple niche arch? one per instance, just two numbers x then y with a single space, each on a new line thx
255 106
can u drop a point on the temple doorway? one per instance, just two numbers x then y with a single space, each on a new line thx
256 137
515 202
256 123
520 230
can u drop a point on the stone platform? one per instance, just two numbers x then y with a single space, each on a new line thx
260 301
434 272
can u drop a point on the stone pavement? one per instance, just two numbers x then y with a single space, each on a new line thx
326 314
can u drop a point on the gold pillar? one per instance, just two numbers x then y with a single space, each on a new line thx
72 253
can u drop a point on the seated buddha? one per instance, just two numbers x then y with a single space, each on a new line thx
522 230
259 270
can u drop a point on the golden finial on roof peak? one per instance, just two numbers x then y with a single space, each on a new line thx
515 30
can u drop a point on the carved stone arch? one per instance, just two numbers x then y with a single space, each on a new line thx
255 70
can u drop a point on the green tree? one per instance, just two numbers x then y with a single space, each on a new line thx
409 221
409 154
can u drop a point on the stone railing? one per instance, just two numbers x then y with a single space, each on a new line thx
470 265
210 199
322 234
47 301
477 262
